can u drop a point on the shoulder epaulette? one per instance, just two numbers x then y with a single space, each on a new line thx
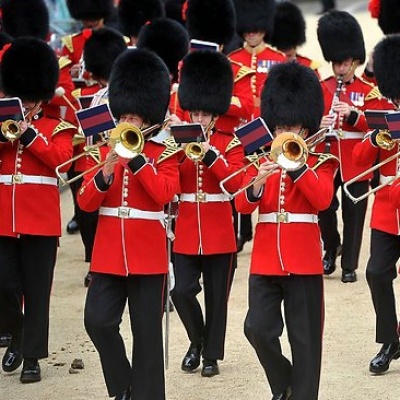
170 142
168 152
63 62
373 94
233 143
67 42
62 126
323 157
366 82
243 71
253 159
315 64
77 92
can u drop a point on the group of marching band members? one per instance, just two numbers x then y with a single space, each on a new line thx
120 206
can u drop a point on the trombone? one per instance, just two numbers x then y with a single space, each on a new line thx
288 150
126 139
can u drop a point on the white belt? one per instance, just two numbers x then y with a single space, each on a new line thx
131 213
204 197
20 179
346 135
386 180
287 217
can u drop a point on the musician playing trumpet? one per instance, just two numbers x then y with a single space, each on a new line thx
286 261
129 259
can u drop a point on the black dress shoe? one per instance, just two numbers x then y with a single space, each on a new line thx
87 279
192 358
329 261
210 368
240 241
388 352
12 359
286 395
30 371
5 340
349 276
125 395
72 226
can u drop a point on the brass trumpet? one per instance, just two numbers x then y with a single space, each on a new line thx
11 130
194 151
384 140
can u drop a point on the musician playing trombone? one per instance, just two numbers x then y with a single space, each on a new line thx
286 261
129 260
385 234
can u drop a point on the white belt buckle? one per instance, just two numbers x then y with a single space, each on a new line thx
282 217
123 212
201 197
17 179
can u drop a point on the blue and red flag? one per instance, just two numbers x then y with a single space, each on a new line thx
393 122
376 119
202 45
11 109
95 119
254 135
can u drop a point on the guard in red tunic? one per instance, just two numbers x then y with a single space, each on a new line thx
385 219
289 33
286 261
129 260
205 239
345 98
255 20
30 222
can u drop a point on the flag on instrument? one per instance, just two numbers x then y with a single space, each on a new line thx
11 109
85 101
393 122
376 119
95 119
187 133
254 135
202 45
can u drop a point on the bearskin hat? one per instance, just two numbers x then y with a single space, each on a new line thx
211 20
292 95
139 84
175 10
386 66
168 39
340 37
255 16
289 26
90 9
25 18
206 82
133 14
389 16
29 70
101 50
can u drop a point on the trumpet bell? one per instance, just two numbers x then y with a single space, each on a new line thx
194 151
384 140
11 130
127 140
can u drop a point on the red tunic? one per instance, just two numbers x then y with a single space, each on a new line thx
307 62
259 60
207 227
30 208
285 248
133 246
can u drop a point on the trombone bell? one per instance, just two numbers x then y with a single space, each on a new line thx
127 140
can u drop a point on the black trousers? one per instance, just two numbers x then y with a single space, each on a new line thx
302 297
217 277
353 216
26 274
105 303
380 273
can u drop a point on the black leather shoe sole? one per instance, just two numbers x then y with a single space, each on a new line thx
12 359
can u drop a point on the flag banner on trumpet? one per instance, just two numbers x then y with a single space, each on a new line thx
376 119
85 101
254 135
202 45
11 109
393 123
95 119
187 133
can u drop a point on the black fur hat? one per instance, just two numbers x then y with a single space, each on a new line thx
255 16
101 50
25 18
292 95
133 14
139 84
289 26
29 70
340 37
386 66
206 82
168 39
90 9
174 9
211 20
389 16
